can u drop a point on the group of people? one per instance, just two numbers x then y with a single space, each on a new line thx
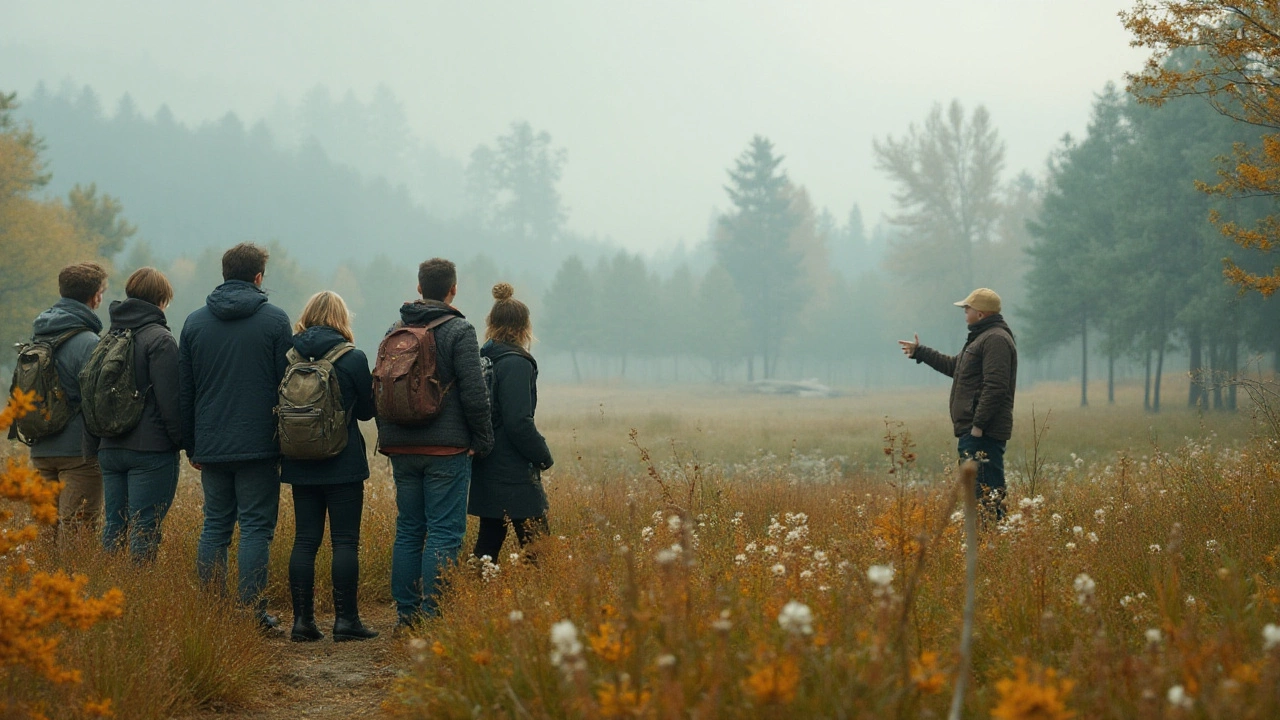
216 394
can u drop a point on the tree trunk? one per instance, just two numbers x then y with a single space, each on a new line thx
1195 390
1233 366
1155 401
1146 384
751 368
1084 362
577 373
1215 371
1111 379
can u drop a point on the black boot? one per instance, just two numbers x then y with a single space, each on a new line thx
304 615
346 621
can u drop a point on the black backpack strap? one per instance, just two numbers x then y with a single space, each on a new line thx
439 321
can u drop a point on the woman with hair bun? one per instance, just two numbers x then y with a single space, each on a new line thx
506 484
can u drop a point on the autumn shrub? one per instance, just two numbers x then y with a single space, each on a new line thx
173 647
39 608
1132 586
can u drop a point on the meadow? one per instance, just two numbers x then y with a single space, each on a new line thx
721 554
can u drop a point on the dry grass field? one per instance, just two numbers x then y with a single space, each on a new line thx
741 555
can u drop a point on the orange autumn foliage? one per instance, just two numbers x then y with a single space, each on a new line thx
35 607
1227 51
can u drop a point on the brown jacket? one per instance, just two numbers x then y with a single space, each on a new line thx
985 374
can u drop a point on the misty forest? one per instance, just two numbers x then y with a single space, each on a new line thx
755 504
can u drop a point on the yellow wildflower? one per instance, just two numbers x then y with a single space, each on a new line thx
1034 695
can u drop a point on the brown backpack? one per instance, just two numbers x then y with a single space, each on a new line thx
406 381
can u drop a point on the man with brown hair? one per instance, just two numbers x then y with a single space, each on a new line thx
985 374
432 462
231 358
66 457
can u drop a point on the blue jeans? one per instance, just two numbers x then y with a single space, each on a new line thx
990 456
248 493
431 504
137 490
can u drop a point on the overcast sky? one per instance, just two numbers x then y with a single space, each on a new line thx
652 99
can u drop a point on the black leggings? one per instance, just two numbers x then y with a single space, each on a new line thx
493 532
343 503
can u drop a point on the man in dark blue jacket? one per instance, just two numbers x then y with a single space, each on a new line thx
231 359
432 463
65 456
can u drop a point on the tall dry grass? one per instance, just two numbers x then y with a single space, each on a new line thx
677 616
177 647
1140 584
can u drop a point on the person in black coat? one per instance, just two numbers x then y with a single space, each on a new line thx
231 358
506 484
332 486
140 467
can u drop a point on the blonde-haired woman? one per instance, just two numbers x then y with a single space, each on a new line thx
506 484
333 486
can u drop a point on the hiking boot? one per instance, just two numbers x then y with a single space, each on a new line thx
304 615
346 621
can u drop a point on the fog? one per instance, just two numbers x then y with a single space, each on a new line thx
651 100
683 192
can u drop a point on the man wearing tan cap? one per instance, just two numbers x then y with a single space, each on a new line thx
983 378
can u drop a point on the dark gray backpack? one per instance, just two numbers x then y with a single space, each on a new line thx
109 396
310 419
37 372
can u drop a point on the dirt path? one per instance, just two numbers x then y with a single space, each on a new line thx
324 679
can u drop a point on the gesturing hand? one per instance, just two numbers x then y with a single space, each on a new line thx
909 346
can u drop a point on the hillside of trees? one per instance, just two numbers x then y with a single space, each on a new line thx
1106 260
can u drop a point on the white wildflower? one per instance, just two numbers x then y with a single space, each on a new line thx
1093 538
770 550
1179 698
565 647
1100 515
1153 548
796 618
1191 600
515 616
739 559
673 523
778 570
881 575
1070 546
819 557
1079 531
646 533
666 556
1085 587
665 661
806 574
1211 545
1270 636
1154 636
1055 519
751 547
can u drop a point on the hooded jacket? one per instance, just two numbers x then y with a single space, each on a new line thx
463 421
984 374
352 464
64 316
231 358
508 481
155 369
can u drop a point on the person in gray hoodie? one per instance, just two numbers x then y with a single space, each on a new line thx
231 358
140 467
431 463
68 456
